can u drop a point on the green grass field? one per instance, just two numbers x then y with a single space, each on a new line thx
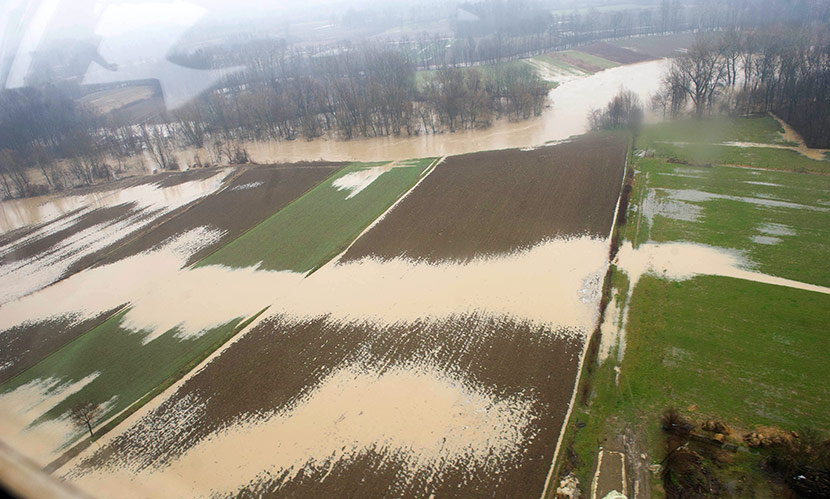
714 347
747 352
126 369
739 213
316 227
759 157
715 130
700 142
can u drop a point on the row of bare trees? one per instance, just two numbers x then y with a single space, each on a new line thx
363 92
492 31
368 91
785 70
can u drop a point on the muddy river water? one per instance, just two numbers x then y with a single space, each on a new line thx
567 115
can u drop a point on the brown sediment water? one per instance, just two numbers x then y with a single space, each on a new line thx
16 213
680 261
88 293
147 202
423 418
610 336
530 284
793 136
566 116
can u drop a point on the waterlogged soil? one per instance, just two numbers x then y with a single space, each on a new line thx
499 201
485 398
16 253
98 223
20 217
252 197
23 346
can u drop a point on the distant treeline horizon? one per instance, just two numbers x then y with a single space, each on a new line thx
370 89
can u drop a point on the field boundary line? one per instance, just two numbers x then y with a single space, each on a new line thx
198 263
595 481
427 171
581 365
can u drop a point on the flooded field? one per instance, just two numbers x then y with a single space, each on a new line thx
382 370
439 353
77 231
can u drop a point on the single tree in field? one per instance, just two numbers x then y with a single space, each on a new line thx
84 413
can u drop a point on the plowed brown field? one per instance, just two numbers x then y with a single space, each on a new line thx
500 201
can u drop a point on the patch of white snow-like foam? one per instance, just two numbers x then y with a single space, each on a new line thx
250 185
774 229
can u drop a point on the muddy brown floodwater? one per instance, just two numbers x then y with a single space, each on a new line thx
567 116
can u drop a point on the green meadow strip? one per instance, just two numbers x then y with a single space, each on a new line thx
316 227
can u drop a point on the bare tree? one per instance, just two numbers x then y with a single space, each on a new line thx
700 74
84 413
623 111
14 167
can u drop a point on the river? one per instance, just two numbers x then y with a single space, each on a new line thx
566 115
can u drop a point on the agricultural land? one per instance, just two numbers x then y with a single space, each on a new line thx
439 362
718 305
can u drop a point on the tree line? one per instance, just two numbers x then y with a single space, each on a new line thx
784 70
368 91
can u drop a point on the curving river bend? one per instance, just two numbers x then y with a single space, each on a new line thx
566 116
